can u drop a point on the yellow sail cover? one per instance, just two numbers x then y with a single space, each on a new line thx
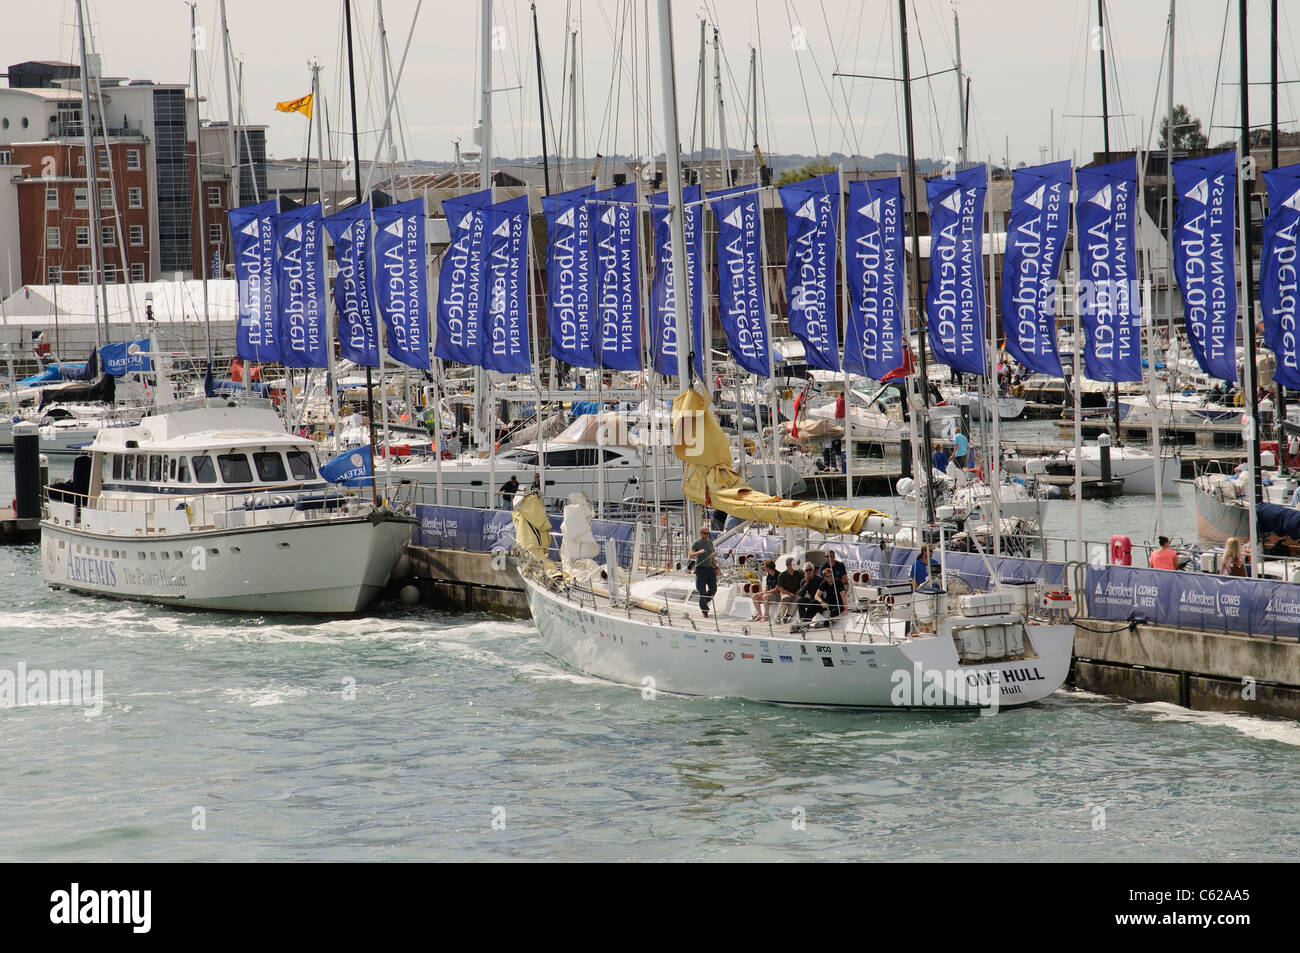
709 479
532 527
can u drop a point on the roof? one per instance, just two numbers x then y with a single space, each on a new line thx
206 423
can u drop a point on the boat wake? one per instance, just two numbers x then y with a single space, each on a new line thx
1261 729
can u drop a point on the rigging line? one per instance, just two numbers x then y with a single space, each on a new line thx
1218 68
830 97
849 93
1160 85
615 35
802 85
936 143
835 57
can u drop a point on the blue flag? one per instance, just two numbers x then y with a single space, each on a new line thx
505 245
1106 214
460 282
353 468
252 231
570 277
873 253
1205 261
354 292
1035 244
812 211
618 285
1278 275
402 291
954 300
663 314
740 278
300 287
126 357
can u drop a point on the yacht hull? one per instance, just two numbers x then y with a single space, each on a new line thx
762 665
334 566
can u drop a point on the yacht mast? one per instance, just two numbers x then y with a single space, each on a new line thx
1248 300
198 183
1105 134
92 197
356 181
924 423
230 110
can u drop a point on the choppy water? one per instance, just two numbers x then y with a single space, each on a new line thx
460 721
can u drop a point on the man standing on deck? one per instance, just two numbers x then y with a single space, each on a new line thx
960 447
706 569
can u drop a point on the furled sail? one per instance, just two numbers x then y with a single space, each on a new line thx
709 479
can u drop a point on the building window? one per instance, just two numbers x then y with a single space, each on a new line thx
83 274
54 275
79 199
107 235
52 197
111 275
106 198
4 157
137 235
214 234
135 197
103 159
83 236
52 238
137 271
214 196
133 160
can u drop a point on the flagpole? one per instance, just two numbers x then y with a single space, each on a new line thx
844 341
1076 379
1248 301
1157 460
356 177
331 370
198 190
995 391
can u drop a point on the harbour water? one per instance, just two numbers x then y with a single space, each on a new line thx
412 734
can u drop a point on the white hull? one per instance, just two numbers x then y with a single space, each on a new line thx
1135 467
327 566
823 669
472 479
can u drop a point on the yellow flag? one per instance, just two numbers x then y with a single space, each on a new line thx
302 105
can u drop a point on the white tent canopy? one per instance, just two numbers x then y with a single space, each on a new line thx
66 315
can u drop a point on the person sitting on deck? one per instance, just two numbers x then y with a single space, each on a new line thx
940 461
829 594
787 585
806 597
1164 557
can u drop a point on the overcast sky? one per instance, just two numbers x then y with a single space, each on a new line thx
1025 59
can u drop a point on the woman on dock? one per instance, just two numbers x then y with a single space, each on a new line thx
1233 563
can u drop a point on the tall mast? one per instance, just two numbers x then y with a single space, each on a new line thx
573 100
705 347
92 189
541 102
753 102
722 124
230 109
676 209
198 189
1105 134
1247 260
924 423
388 125
1169 189
1272 150
961 95
356 184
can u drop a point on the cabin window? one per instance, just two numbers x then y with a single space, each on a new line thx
141 467
182 470
128 470
170 468
300 465
204 470
155 468
270 467
117 468
234 468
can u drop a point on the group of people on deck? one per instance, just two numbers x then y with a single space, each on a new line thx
960 451
813 592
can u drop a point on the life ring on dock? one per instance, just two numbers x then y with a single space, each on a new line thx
1121 551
